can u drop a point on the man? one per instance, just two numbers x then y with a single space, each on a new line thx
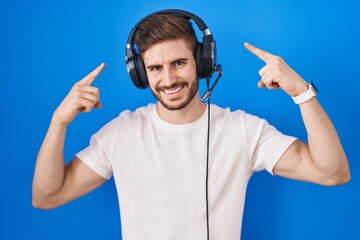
157 153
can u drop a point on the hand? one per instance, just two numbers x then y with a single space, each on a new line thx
81 98
277 74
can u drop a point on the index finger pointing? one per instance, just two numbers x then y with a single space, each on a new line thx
263 55
88 79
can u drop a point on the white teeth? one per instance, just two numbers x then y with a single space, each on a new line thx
173 91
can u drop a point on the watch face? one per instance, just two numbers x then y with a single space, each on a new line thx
313 87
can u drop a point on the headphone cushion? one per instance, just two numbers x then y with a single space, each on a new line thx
141 71
199 60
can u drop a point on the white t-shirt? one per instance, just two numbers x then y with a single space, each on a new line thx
159 170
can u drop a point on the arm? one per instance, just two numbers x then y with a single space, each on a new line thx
53 183
322 160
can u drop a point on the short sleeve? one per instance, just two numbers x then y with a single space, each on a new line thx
266 144
95 156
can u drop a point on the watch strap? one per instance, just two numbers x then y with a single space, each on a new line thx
306 96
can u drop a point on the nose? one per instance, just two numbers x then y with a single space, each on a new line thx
169 77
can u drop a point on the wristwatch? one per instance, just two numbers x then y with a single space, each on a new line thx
310 93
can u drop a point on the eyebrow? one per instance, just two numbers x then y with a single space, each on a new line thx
171 63
179 59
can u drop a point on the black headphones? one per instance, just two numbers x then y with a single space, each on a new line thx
205 53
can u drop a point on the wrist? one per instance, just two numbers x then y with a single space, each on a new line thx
306 95
55 121
302 88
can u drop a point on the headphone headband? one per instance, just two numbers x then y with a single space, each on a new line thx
179 13
205 53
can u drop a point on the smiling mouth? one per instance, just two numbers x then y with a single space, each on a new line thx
173 90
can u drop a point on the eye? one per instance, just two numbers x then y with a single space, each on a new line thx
154 68
179 63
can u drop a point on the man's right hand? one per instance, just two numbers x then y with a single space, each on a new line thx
53 184
82 98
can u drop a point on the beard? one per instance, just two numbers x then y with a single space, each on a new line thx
177 103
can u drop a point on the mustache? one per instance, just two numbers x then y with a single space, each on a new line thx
174 85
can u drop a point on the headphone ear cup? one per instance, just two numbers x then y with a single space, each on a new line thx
130 65
208 55
199 60
141 71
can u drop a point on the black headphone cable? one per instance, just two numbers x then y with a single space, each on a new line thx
206 97
207 160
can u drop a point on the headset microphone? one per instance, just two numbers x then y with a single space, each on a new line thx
207 94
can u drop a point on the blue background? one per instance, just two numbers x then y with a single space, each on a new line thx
46 46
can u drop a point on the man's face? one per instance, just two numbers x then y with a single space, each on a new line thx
171 70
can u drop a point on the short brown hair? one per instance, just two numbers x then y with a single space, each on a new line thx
163 27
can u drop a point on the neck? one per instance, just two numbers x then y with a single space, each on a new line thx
192 112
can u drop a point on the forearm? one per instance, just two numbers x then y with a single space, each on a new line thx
50 169
324 144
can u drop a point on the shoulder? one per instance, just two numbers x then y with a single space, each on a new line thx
138 114
239 121
126 120
231 114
